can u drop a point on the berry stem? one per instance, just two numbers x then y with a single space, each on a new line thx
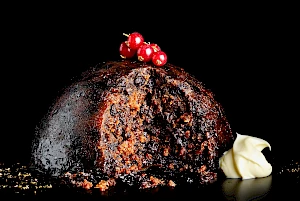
127 35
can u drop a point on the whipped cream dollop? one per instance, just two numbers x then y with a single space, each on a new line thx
245 160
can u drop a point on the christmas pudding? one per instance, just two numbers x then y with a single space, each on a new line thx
143 121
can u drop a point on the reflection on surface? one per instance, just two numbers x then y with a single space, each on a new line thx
249 189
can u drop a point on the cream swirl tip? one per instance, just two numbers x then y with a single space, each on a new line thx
245 159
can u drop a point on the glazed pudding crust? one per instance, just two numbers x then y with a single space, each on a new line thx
139 117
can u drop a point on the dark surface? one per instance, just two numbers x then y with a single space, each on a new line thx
18 181
246 56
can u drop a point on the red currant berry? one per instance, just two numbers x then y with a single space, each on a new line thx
145 53
125 51
159 58
135 40
155 47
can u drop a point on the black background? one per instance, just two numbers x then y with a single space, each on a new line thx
245 56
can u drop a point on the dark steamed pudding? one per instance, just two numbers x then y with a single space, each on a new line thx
127 118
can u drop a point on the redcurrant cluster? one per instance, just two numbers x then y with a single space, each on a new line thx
135 45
